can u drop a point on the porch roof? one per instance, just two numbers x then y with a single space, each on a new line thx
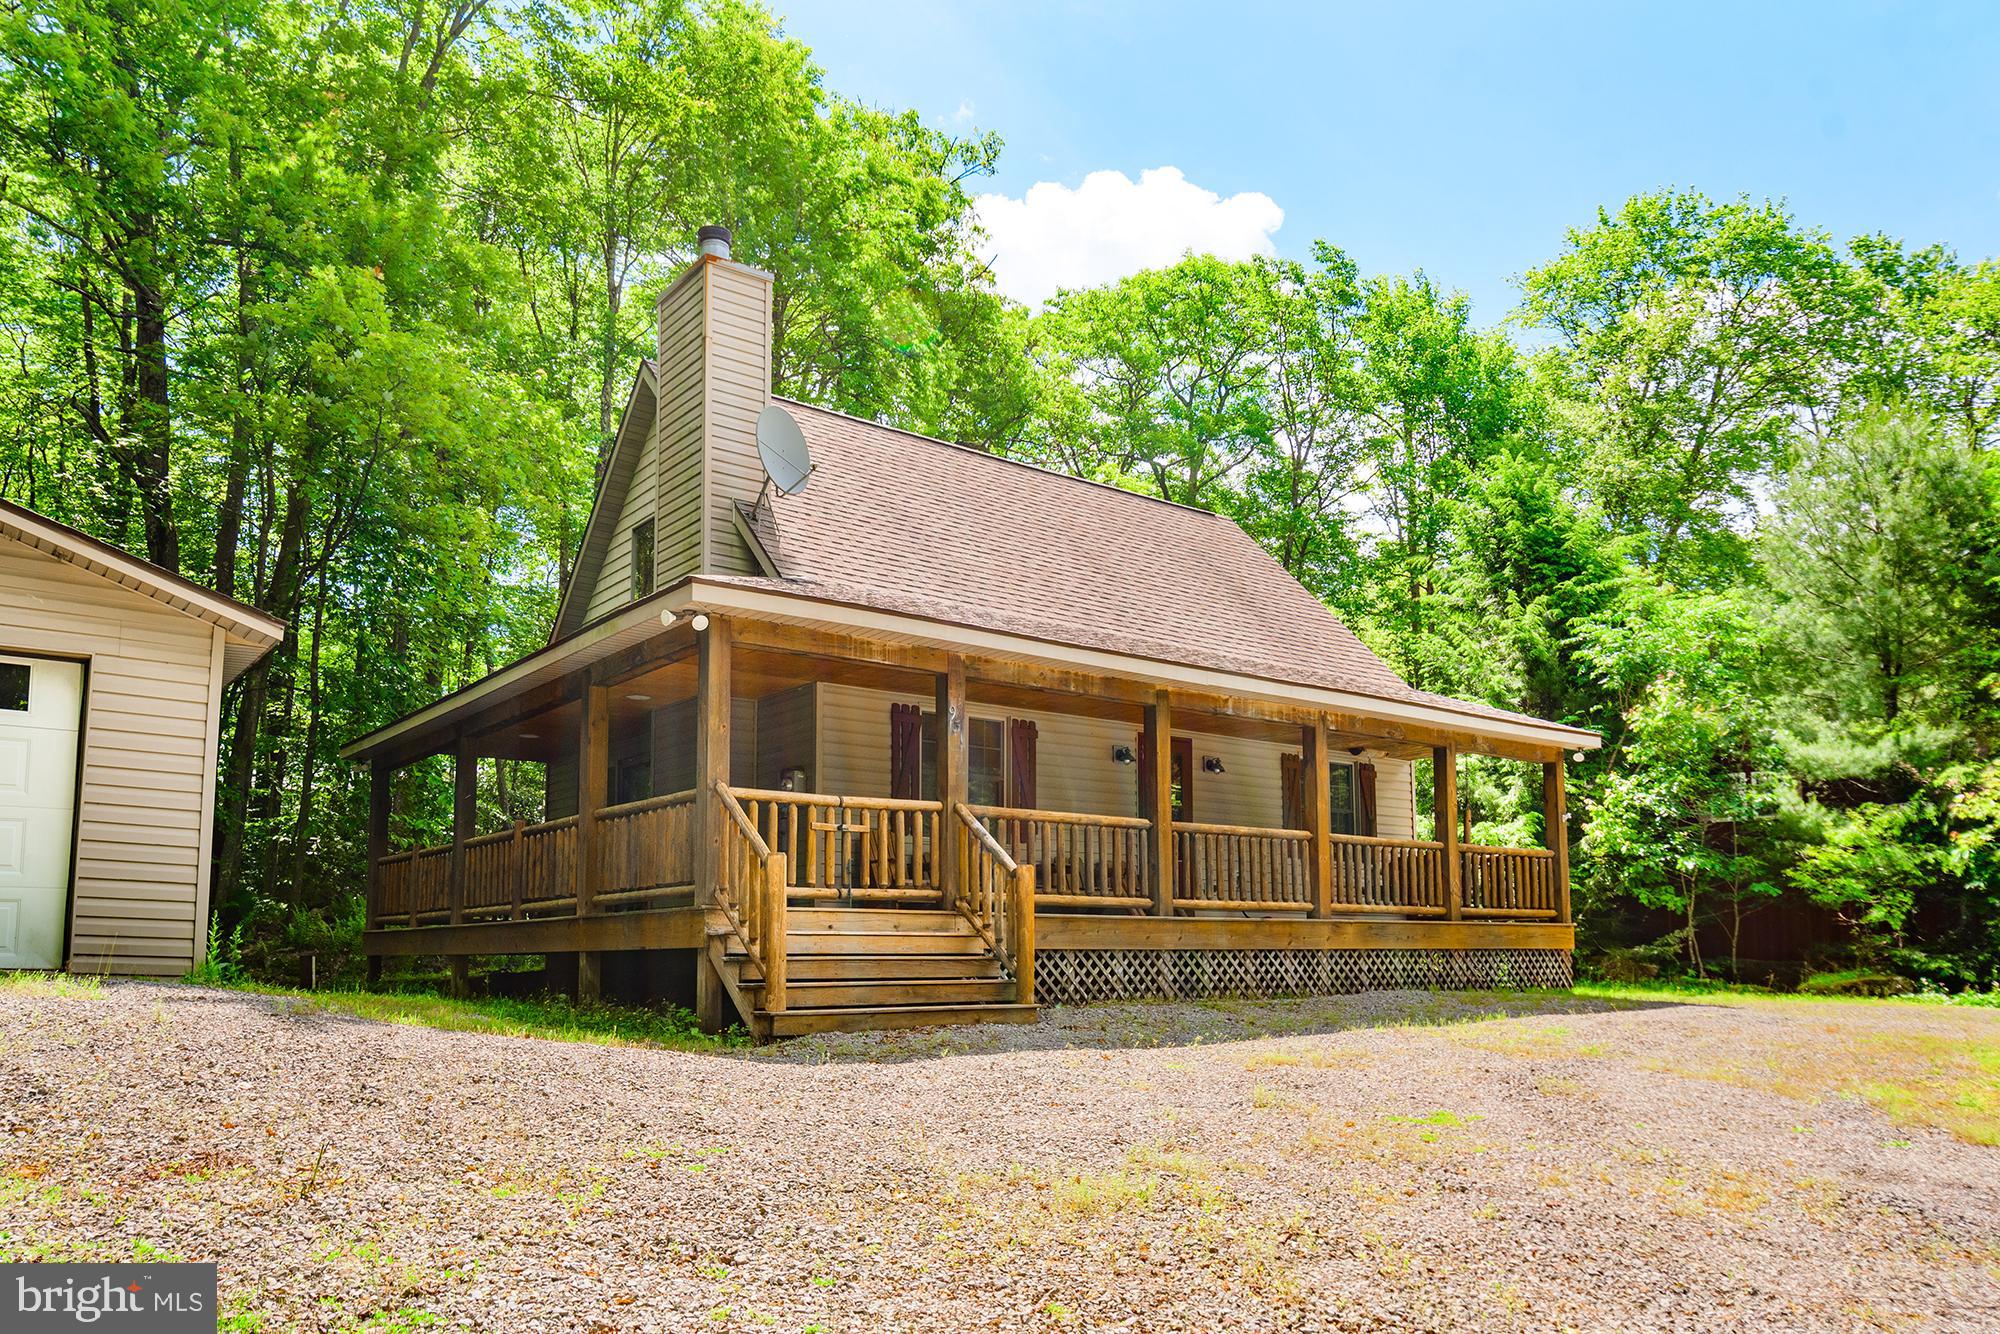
874 614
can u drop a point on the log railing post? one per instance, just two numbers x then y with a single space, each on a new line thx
519 879
953 763
1444 813
1555 831
774 933
1319 816
1158 804
593 775
1024 935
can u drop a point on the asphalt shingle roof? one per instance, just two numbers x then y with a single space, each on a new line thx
907 524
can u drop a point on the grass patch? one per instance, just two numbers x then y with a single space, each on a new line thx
668 1028
68 985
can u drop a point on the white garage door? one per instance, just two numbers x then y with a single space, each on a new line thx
40 704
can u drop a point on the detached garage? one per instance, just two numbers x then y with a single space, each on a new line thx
111 676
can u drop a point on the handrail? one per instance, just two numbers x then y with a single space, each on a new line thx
997 895
832 799
1058 817
1240 831
985 836
645 804
1501 847
736 813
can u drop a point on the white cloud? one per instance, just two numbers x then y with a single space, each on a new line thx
1111 226
964 112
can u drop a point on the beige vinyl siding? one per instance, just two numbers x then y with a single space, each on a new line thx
147 779
673 744
739 385
1074 768
681 391
612 587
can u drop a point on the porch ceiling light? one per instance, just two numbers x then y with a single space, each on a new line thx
640 699
529 736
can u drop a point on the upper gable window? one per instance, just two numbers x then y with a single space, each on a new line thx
642 559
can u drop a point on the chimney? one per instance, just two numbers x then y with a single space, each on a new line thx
714 377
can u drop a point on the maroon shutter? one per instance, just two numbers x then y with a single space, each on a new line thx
1291 783
906 751
1021 763
1364 800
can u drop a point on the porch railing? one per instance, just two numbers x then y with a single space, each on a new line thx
1509 882
1093 861
1235 867
1387 875
644 848
750 890
849 847
997 894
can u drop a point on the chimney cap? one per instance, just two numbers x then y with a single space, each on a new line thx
714 240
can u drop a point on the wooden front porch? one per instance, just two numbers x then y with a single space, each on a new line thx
810 910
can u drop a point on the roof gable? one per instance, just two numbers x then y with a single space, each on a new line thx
608 505
250 633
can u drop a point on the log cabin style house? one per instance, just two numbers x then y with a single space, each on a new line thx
942 736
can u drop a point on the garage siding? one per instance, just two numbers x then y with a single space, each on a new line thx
152 691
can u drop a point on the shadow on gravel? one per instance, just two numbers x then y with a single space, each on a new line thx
1146 1024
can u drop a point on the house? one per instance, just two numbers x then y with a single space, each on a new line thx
111 677
943 735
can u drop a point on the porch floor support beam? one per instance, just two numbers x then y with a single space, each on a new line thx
1158 803
380 774
593 770
1555 831
1319 815
953 762
1444 819
711 766
464 811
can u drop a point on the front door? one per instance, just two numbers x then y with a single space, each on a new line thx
41 705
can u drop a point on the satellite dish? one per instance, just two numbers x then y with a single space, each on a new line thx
782 447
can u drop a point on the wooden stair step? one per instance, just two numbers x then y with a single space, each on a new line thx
890 967
861 1018
879 993
799 943
874 919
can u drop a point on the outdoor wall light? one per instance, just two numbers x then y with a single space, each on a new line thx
1123 755
700 622
1357 751
1210 764
792 780
1578 757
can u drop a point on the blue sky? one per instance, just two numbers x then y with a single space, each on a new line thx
1461 139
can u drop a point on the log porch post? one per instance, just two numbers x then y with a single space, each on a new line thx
379 776
593 768
1444 819
464 810
1158 804
954 763
711 766
1555 830
1319 816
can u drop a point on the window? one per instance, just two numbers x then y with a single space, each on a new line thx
986 752
1341 807
642 559
13 687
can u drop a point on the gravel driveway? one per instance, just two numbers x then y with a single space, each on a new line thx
1395 1161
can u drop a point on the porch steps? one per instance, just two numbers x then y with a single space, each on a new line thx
862 968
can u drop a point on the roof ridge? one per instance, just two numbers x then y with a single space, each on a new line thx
1006 458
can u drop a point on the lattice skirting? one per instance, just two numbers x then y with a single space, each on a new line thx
1072 977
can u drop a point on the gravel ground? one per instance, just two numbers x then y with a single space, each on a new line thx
1395 1161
